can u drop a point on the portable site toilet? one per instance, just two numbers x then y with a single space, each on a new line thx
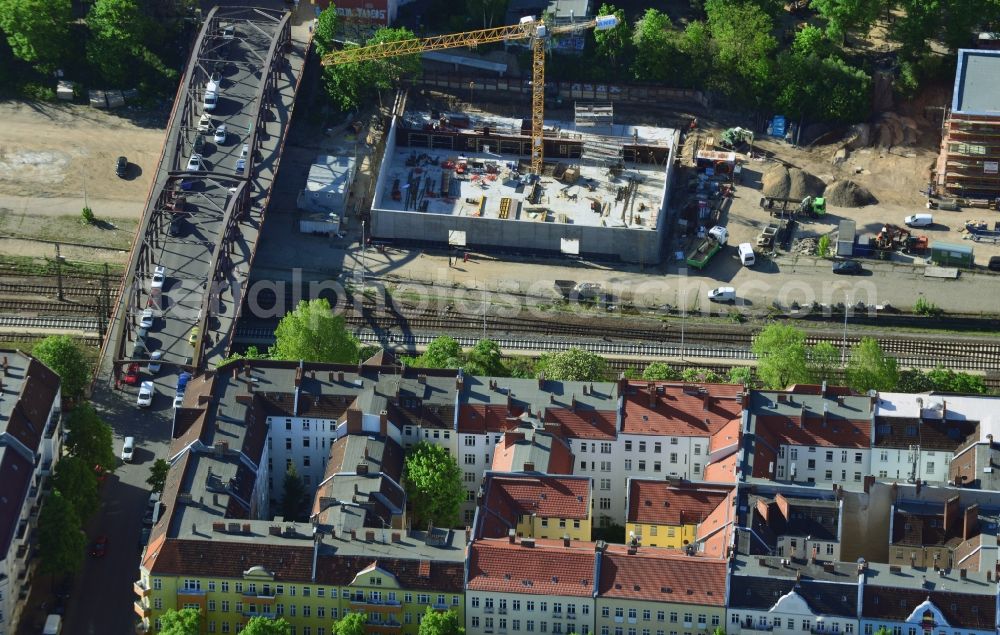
845 237
952 255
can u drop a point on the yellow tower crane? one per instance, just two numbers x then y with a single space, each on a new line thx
528 28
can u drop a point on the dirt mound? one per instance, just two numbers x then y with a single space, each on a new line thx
782 182
847 193
803 184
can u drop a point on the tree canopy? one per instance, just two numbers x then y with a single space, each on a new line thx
612 44
741 32
37 30
660 371
77 481
485 358
433 484
89 438
869 368
781 356
295 497
158 475
350 624
655 52
442 352
313 333
266 626
824 359
440 623
65 357
348 85
61 540
182 622
326 29
574 364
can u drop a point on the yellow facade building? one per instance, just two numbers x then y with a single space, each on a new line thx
544 506
669 513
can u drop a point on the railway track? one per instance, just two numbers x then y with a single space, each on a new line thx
49 323
47 307
70 288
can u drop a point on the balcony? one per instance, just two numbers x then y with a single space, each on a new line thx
756 627
488 609
251 614
383 627
141 610
392 606
139 588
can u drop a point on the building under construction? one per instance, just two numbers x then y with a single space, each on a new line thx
969 163
464 181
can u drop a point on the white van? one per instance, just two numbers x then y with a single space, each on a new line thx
747 256
919 220
211 96
53 625
128 449
722 294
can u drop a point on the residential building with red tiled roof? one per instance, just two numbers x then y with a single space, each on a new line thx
811 434
535 506
660 589
669 513
31 435
796 525
529 448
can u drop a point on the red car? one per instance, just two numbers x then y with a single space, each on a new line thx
132 375
100 547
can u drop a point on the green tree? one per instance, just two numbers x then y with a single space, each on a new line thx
919 22
89 438
116 28
266 626
182 622
659 371
656 54
695 44
522 368
295 497
741 32
326 30
822 88
312 332
61 540
485 358
433 483
869 368
65 357
946 380
37 30
701 375
252 352
613 44
824 359
158 475
847 15
740 375
442 352
440 623
77 482
913 380
349 84
574 364
781 356
350 624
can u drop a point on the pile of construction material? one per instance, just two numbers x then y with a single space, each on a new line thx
780 181
888 130
805 246
847 193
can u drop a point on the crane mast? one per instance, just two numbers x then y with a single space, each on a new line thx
528 28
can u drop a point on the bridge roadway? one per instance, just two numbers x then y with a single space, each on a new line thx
260 67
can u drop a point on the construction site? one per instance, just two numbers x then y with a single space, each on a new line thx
466 181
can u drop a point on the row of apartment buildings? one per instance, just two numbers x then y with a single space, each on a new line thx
30 446
691 469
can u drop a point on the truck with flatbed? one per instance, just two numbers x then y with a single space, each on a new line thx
703 250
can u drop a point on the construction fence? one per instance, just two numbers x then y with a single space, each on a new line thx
482 88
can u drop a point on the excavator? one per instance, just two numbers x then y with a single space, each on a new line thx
529 28
894 237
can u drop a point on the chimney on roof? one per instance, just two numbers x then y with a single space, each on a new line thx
970 521
528 543
529 466
340 376
829 567
246 369
989 576
572 403
951 512
541 380
422 378
221 447
459 382
962 573
218 526
397 537
705 400
822 389
826 410
246 528
798 577
511 535
274 530
802 416
236 371
585 390
565 540
354 533
944 409
369 535
362 470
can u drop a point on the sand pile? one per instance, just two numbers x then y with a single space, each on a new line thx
782 182
847 193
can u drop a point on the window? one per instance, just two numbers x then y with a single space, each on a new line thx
619 611
475 620
225 606
211 605
470 477
857 457
211 585
793 454
642 446
515 605
157 603
829 456
673 457
470 495
697 450
657 466
661 616
828 475
657 447
812 464
605 448
673 617
632 614
829 549
642 466
652 530
192 585
475 601
605 503
605 484
305 442
605 611
470 440
606 465
225 627
930 467
628 446
776 622
530 605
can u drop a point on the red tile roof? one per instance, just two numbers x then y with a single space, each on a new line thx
793 430
679 409
715 531
507 497
548 568
548 452
584 424
659 575
728 436
480 419
660 503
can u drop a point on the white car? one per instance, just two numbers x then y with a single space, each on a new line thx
205 123
220 133
194 163
722 294
159 276
211 96
241 163
128 449
146 321
145 398
178 400
155 359
228 32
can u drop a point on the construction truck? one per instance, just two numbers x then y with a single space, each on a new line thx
703 250
814 206
896 238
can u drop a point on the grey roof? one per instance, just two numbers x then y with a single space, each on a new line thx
778 567
927 579
852 407
813 517
976 86
561 9
761 593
